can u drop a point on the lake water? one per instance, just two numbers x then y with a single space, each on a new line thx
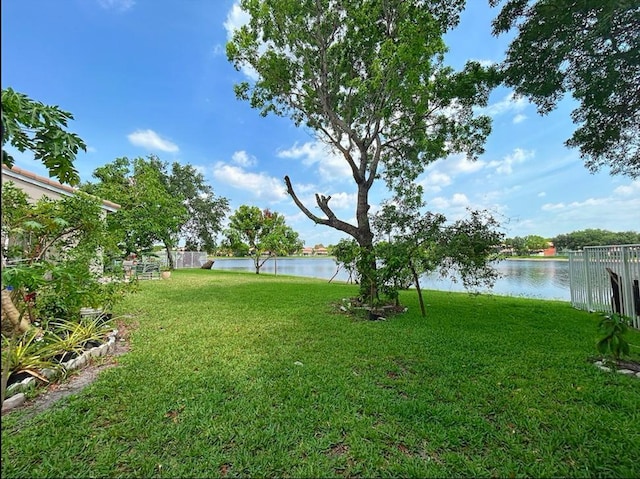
544 279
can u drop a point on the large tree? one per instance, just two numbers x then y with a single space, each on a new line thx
41 129
205 210
149 212
160 204
369 79
264 234
590 48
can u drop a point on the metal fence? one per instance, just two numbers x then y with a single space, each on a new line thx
606 278
188 259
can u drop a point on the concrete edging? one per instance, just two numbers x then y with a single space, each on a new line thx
15 395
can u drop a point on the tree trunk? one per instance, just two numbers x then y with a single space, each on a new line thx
167 247
416 280
361 233
367 267
11 314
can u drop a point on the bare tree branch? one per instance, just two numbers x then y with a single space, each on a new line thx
323 203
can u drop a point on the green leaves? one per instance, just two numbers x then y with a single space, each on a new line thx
613 327
368 77
31 125
159 204
590 49
261 232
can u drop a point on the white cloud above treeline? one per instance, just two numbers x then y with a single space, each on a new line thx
150 140
259 185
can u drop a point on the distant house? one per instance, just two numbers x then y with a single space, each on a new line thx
317 250
549 251
507 250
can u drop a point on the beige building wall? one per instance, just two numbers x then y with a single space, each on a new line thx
37 186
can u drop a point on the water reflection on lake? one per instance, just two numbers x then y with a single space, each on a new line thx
544 279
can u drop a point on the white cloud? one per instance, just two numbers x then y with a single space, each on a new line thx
260 185
505 166
631 190
236 18
553 206
442 173
617 211
119 5
459 164
510 103
435 181
542 194
243 159
150 140
459 199
310 152
330 166
305 188
519 118
343 200
438 203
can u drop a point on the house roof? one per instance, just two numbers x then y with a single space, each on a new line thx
48 184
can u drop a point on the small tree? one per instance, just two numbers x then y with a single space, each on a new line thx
263 232
414 243
346 253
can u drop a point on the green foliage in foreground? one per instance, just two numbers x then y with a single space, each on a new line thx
30 125
234 374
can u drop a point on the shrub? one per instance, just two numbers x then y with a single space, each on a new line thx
613 327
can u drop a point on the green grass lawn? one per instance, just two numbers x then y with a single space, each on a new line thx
234 374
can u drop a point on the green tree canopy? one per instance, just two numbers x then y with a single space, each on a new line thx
205 210
149 212
263 232
368 78
161 204
535 242
591 49
51 247
577 240
41 129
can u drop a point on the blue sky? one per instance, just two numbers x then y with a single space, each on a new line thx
151 77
